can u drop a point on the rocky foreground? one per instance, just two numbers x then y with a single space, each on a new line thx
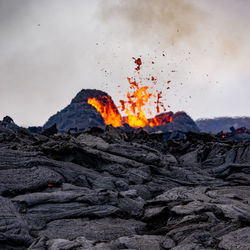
123 190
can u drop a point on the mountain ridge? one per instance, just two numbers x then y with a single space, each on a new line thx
217 124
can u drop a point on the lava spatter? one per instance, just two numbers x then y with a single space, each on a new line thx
134 106
138 62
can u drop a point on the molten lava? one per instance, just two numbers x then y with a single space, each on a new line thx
161 119
107 110
134 107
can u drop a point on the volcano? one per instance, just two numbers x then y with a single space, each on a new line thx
95 108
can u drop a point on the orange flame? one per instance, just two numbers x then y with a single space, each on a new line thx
134 107
110 115
154 122
161 119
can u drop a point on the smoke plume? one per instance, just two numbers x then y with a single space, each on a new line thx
171 20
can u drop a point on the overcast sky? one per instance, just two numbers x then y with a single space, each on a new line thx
51 49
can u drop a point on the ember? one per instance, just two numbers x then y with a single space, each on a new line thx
135 106
242 130
138 62
235 134
161 119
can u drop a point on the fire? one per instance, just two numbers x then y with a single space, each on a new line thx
154 122
110 115
135 105
161 119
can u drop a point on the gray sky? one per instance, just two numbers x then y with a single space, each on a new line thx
51 49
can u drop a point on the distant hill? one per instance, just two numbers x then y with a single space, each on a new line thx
78 114
216 125
8 123
81 115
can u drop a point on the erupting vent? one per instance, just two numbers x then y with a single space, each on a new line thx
107 109
134 107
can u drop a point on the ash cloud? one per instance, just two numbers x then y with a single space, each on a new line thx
177 22
173 20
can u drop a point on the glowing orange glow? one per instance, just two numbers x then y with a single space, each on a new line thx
134 107
161 119
108 112
154 122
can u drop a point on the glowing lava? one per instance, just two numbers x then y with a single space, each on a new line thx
134 107
108 111
161 119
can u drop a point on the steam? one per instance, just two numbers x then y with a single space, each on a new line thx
194 24
170 20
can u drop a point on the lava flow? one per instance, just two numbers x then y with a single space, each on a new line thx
107 109
134 107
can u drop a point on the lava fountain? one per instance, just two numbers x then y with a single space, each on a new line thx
134 106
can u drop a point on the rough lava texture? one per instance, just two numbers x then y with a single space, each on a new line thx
8 123
80 115
112 189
